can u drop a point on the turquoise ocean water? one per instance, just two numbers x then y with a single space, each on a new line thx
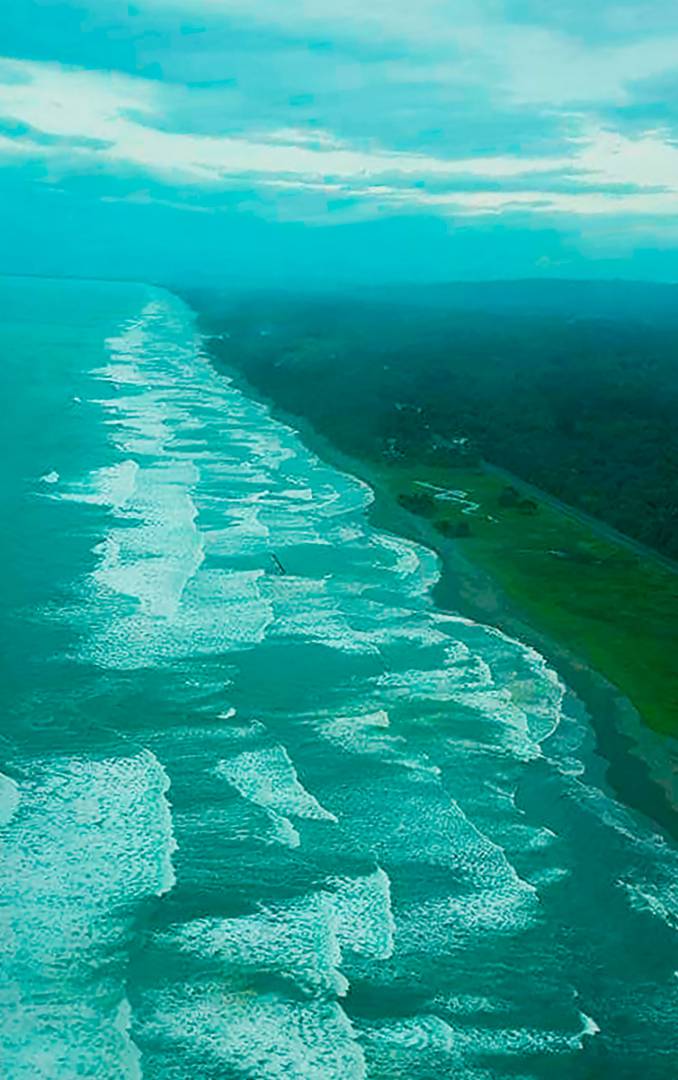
264 824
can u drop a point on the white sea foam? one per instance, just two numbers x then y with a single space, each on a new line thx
541 879
364 919
362 733
10 797
111 486
282 831
303 940
296 940
130 1058
93 838
115 486
43 1041
304 609
535 1042
125 372
268 778
502 907
304 494
155 581
439 684
367 733
193 628
93 827
659 858
244 533
647 900
472 1005
407 560
589 1027
416 1034
259 1035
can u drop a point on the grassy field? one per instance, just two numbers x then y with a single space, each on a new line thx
611 606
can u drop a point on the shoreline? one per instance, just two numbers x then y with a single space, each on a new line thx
637 762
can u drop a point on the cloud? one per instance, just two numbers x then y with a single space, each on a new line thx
78 121
536 127
521 52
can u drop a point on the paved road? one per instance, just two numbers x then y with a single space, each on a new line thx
597 526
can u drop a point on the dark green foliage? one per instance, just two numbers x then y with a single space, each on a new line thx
456 530
571 386
418 504
528 506
510 496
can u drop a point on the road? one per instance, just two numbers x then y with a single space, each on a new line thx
607 532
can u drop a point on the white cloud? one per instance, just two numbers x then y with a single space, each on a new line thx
519 61
71 101
536 66
14 148
123 117
586 203
420 23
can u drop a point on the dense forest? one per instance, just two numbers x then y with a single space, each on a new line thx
572 386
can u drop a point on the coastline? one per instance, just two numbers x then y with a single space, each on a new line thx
639 764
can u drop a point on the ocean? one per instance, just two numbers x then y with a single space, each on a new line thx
265 810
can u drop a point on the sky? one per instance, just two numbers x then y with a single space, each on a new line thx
291 141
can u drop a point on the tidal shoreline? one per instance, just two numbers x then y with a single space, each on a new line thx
639 764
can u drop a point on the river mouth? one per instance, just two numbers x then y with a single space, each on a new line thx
274 812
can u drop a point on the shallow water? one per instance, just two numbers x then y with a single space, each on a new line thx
264 824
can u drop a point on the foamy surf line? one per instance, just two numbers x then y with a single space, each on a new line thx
190 379
420 568
348 767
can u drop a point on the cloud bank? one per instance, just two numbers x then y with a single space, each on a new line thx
311 113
